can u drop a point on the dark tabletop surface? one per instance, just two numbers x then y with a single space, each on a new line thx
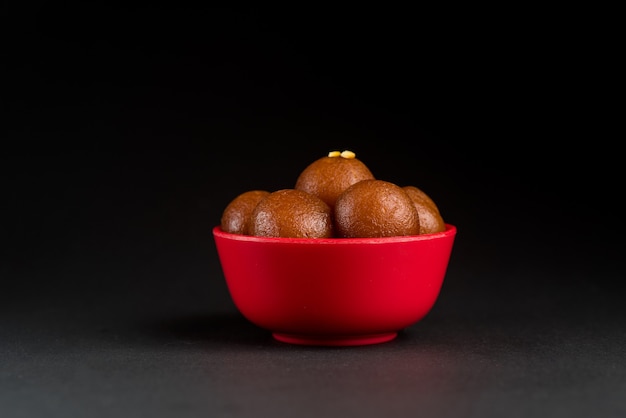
130 130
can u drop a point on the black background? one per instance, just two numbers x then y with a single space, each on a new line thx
128 129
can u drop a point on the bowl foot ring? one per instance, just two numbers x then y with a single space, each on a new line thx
335 340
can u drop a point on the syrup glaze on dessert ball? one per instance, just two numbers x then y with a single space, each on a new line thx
375 208
236 216
291 213
431 220
329 176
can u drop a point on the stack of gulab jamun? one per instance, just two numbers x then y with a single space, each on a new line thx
336 196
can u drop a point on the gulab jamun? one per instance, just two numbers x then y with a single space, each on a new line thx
375 208
330 175
291 213
236 216
431 220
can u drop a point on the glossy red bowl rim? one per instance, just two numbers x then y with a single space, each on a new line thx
450 230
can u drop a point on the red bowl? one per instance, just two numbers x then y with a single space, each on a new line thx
334 291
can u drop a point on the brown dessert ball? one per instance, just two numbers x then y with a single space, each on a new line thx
291 213
430 218
375 208
329 176
236 215
416 193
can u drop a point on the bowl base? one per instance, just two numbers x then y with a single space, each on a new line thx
335 340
